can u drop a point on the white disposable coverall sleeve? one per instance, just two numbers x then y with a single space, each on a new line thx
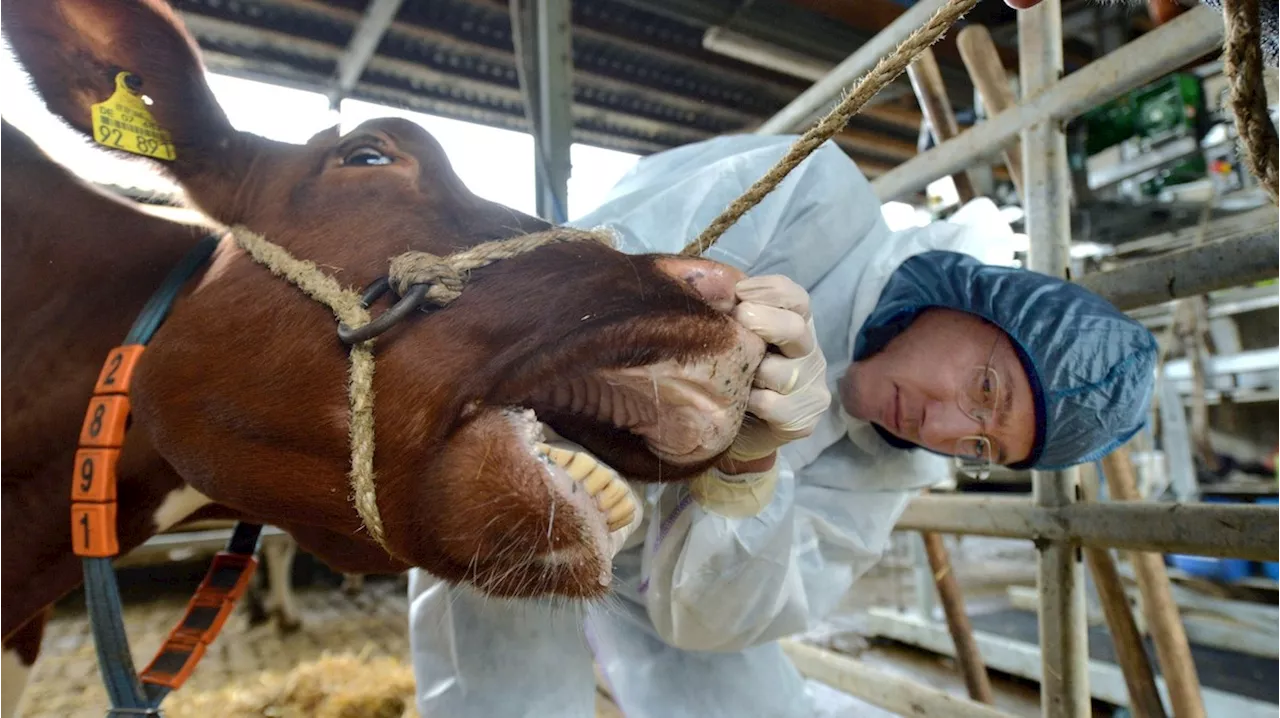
715 583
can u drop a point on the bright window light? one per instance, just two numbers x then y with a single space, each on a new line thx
1012 213
900 216
494 163
945 191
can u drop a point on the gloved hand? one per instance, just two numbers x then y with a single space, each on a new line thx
790 390
789 396
737 495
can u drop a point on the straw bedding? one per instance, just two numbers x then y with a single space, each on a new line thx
344 685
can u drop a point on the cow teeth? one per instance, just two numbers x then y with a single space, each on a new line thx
581 466
598 479
619 516
610 497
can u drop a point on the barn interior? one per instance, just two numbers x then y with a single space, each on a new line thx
966 613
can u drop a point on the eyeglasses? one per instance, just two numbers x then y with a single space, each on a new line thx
978 400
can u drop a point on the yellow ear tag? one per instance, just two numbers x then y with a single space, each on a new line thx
123 122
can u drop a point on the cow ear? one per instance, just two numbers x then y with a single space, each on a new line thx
127 74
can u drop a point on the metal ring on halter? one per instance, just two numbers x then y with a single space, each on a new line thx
409 302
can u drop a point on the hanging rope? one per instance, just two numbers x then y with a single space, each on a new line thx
1242 63
882 74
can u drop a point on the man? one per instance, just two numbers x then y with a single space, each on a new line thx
927 347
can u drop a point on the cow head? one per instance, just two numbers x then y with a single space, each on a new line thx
243 389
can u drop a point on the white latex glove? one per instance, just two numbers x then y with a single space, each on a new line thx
790 390
734 496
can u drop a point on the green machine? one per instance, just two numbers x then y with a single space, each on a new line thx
1166 116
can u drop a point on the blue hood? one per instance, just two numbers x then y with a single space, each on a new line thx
1092 369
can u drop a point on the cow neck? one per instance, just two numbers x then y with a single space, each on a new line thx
93 527
419 278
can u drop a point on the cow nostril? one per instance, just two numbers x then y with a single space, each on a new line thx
713 281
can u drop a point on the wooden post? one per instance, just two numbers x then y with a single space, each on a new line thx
972 668
931 93
1172 649
1144 699
1063 632
986 71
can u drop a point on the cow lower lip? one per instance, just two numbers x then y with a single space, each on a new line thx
580 493
596 538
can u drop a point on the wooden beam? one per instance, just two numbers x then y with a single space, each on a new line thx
870 167
876 144
1172 649
972 669
931 93
893 114
1131 654
988 76
1230 530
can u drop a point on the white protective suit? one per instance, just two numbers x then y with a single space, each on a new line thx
700 598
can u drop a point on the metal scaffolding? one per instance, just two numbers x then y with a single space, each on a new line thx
1062 518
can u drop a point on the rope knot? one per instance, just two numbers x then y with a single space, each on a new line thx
443 275
446 276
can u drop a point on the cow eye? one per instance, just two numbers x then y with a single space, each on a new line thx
365 157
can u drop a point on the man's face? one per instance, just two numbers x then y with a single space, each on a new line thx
922 386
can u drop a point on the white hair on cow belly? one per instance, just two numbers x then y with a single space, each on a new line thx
178 505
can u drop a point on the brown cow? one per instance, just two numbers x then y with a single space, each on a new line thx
239 403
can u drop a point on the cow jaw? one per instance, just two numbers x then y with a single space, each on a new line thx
594 491
539 514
